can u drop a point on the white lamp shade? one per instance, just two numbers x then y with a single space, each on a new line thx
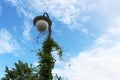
42 25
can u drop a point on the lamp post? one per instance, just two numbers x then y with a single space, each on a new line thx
46 63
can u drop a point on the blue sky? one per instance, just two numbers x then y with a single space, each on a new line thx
88 31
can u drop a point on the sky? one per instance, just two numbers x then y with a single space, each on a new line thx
87 30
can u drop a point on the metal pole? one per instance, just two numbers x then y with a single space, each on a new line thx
49 28
47 58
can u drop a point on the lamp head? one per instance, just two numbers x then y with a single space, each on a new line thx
42 23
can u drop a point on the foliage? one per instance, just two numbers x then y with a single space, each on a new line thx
21 72
57 77
46 63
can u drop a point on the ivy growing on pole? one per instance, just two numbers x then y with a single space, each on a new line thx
47 61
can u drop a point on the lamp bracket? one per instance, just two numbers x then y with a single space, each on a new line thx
46 14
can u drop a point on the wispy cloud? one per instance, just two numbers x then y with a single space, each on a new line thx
108 8
7 43
111 36
26 31
75 14
26 13
14 2
70 12
100 62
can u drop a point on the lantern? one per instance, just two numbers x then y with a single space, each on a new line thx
42 23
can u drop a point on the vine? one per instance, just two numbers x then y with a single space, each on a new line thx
47 61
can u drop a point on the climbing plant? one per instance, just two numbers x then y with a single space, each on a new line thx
46 60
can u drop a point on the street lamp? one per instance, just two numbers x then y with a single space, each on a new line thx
46 63
43 22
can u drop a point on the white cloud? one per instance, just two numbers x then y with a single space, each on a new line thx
26 31
109 8
7 43
74 13
27 14
14 2
100 62
69 12
111 36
